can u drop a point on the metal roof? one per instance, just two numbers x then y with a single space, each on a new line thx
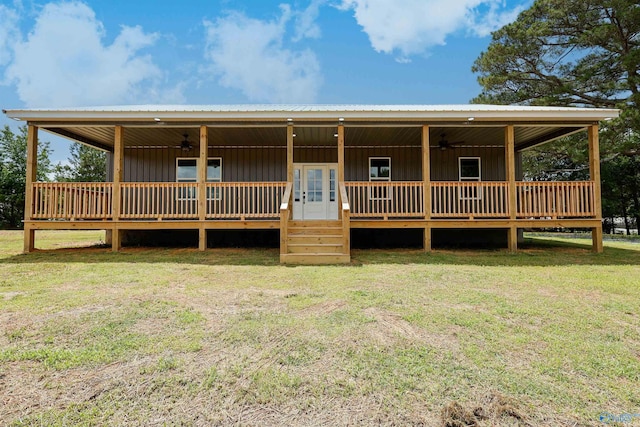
314 112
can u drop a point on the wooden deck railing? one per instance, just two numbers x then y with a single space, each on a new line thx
261 200
159 200
538 199
399 199
486 199
244 199
72 200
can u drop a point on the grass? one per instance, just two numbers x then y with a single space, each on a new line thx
549 336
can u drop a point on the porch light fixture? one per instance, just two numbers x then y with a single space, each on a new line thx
157 119
335 135
341 119
294 135
470 119
185 145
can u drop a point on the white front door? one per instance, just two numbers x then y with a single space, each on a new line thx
315 191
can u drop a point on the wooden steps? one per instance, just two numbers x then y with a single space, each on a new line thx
315 242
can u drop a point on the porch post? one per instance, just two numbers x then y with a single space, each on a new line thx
32 172
510 163
202 188
594 175
340 153
118 159
290 153
426 191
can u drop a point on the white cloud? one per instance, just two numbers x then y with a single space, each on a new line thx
305 21
9 33
64 62
412 27
249 55
483 24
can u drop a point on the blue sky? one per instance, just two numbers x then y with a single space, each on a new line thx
91 53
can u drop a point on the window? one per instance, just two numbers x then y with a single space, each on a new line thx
469 168
469 171
214 174
187 171
379 171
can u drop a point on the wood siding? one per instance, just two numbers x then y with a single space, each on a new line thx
405 162
444 164
266 160
238 164
269 164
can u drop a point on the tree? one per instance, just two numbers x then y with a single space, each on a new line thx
86 164
573 53
13 174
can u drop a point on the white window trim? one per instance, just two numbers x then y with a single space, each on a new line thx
217 195
197 160
470 193
385 193
478 178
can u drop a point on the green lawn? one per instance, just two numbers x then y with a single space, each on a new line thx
550 336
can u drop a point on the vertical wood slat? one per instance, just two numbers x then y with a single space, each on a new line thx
555 199
244 199
262 199
485 199
384 199
71 200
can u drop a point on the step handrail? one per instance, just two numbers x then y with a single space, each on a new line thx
286 197
346 219
284 218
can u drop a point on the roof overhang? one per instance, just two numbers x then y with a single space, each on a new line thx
94 125
177 113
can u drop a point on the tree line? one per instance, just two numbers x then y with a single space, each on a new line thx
579 53
86 164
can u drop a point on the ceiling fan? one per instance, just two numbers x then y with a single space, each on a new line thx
444 143
185 145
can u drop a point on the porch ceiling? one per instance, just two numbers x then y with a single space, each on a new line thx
408 134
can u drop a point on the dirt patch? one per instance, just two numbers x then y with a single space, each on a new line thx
11 295
324 308
455 415
389 327
495 409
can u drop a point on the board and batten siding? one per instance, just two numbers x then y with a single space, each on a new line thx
238 164
405 162
444 163
269 164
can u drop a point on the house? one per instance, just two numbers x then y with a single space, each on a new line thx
315 172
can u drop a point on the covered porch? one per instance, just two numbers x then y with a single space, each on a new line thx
261 184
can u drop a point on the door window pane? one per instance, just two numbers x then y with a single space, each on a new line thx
296 185
332 185
314 185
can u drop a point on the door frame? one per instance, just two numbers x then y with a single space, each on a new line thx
331 207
